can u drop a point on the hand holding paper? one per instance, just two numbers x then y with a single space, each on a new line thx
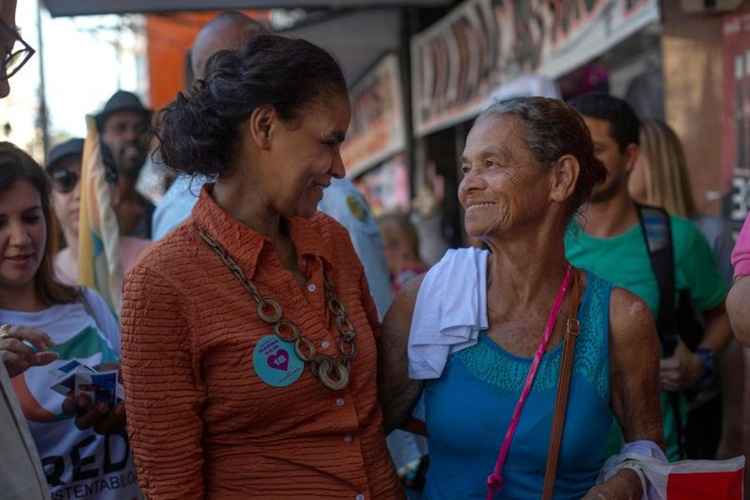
93 397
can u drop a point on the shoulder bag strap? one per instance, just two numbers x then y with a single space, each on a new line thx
657 231
657 234
563 390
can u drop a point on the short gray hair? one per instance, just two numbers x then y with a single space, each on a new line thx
552 130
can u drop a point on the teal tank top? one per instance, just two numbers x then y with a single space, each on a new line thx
469 408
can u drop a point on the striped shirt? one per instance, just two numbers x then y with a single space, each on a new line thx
202 420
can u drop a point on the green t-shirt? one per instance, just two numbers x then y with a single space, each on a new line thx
623 260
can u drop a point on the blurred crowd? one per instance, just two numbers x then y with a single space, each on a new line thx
269 337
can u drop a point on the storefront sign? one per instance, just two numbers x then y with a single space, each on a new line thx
482 44
736 137
377 128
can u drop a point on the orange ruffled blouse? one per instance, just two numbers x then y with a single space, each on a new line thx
202 421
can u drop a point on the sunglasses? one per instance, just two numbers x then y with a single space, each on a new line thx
64 181
11 60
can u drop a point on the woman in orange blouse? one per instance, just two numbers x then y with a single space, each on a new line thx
249 334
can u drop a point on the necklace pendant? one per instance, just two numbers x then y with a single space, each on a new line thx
341 379
333 373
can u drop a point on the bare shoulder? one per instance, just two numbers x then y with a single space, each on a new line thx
634 360
631 321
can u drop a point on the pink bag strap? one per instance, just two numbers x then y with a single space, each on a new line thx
495 480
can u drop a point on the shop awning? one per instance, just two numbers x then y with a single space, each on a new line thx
59 8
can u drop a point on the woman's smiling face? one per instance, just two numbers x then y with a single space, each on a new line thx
305 155
503 185
23 234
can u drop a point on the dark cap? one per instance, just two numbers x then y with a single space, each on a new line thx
122 100
71 147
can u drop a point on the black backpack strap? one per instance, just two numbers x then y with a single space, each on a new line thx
657 234
656 228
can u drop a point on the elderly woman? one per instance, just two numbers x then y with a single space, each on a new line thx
249 333
474 321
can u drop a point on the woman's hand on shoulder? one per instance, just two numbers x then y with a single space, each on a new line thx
634 359
398 393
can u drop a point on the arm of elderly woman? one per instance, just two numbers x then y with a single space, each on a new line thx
634 360
398 393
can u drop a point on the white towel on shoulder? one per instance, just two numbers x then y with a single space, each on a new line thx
450 311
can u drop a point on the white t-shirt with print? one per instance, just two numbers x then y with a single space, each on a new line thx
78 464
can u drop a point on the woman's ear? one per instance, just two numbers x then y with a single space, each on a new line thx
261 124
564 178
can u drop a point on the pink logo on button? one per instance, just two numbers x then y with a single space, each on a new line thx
279 360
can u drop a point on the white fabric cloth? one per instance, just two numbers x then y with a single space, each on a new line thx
632 456
450 311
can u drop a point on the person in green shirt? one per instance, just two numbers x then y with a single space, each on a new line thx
608 241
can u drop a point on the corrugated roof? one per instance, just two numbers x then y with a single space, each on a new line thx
60 8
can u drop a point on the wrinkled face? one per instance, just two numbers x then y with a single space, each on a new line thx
611 155
304 156
126 134
66 193
23 235
503 186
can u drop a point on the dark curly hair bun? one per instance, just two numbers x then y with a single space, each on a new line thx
198 130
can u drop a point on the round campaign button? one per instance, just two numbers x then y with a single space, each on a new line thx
276 362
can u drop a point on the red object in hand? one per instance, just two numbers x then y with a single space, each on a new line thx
703 485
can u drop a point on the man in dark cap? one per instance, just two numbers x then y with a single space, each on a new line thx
124 125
